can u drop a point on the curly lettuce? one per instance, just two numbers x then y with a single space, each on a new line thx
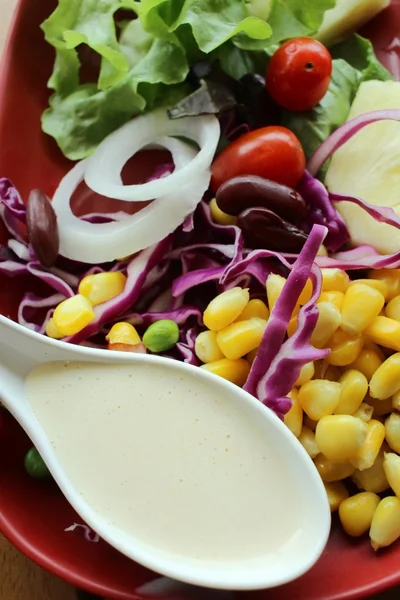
144 63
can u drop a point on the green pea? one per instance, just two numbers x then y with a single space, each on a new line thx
35 465
161 335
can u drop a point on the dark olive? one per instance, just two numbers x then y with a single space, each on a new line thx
264 229
247 191
42 228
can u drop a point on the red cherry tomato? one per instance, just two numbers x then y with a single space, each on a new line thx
271 152
299 74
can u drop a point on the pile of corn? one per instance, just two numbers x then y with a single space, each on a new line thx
345 407
75 313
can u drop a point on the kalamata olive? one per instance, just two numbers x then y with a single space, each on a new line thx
247 191
264 229
42 228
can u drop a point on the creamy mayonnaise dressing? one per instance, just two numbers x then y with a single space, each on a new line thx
166 458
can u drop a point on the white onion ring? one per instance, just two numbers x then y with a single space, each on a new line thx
103 171
104 242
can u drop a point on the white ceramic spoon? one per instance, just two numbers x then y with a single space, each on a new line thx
21 350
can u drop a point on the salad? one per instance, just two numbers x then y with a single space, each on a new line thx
265 248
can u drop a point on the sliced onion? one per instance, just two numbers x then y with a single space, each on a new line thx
346 132
96 243
103 169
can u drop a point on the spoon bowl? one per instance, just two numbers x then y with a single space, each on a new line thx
22 351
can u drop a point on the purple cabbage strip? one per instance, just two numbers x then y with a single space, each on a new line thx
188 224
345 133
321 211
364 257
52 280
30 303
137 271
189 280
186 348
275 331
20 249
252 259
12 268
296 351
162 171
12 209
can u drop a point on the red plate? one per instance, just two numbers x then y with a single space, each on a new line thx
34 515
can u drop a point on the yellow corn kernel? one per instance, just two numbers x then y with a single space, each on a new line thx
392 426
252 356
225 308
364 412
354 386
368 452
332 373
332 471
320 368
235 371
292 326
381 407
370 345
310 423
396 401
361 305
123 333
294 418
356 513
52 331
385 332
334 297
100 287
391 466
255 308
329 320
306 374
340 437
307 440
377 284
336 492
345 348
373 479
368 362
218 216
274 287
392 279
334 280
385 526
306 293
239 338
393 308
386 380
73 315
206 347
319 398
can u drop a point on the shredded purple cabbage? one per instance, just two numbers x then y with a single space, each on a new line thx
321 211
278 362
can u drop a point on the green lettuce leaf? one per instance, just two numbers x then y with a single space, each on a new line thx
354 62
144 67
293 18
213 22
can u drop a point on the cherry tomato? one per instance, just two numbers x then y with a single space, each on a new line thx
271 152
299 74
